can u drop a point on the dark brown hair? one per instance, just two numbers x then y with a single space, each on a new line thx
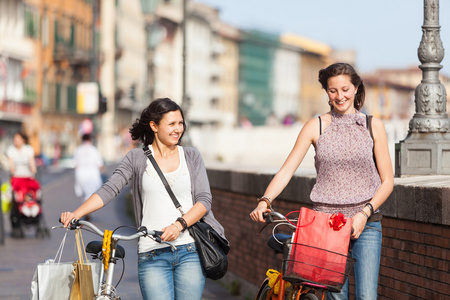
344 69
141 130
23 135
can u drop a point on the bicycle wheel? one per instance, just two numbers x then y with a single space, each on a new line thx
308 296
264 291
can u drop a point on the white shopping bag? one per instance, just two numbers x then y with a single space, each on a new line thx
53 280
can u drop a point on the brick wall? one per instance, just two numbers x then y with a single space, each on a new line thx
415 255
414 260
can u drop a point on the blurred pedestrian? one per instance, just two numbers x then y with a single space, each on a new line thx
88 169
164 272
22 166
349 180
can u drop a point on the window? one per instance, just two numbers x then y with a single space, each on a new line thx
44 31
72 99
31 22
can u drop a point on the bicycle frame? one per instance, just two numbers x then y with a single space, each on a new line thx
106 290
299 290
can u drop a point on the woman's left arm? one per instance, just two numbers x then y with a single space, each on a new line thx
194 214
384 165
383 160
201 193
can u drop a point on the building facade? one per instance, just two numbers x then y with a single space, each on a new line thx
17 77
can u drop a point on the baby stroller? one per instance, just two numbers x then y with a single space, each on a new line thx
26 207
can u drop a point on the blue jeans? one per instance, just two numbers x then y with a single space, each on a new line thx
166 274
367 252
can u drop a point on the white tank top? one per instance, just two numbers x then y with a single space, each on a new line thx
158 209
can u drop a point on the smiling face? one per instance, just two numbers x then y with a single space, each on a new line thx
170 128
341 93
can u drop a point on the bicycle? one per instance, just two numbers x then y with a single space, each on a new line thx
106 289
291 286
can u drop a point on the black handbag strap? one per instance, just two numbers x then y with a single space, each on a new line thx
149 154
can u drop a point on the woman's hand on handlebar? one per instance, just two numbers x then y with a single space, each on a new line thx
171 233
257 214
67 217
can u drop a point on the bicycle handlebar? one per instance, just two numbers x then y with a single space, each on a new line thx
281 219
142 231
269 216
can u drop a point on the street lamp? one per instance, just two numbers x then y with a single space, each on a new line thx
424 150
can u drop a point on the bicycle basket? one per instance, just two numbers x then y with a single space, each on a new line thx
303 263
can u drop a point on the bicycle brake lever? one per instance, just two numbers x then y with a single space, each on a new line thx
262 228
269 219
157 236
73 224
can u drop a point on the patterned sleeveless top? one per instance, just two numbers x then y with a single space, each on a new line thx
346 174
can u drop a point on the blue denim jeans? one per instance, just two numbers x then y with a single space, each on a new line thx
367 252
166 274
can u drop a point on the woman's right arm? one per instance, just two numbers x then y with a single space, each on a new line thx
305 139
108 191
92 204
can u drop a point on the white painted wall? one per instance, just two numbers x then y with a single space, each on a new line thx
286 82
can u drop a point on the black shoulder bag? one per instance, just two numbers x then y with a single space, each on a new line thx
211 247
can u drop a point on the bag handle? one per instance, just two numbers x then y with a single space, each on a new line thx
61 248
177 204
80 248
298 225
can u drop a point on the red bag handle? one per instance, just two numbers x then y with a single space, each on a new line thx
294 211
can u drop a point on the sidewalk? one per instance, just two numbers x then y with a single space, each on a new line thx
19 257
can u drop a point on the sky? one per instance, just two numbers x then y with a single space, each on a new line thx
384 33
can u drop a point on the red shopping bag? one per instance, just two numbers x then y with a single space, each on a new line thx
320 247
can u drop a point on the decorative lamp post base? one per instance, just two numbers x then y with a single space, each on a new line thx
422 157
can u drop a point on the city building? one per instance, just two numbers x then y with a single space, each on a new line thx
388 99
286 84
228 77
47 52
18 76
315 55
256 53
411 77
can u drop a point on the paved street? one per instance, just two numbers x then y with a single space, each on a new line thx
19 257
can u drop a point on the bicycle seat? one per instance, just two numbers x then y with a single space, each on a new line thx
275 245
95 247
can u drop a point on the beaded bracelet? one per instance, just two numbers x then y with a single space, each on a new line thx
364 213
175 224
183 223
370 207
267 200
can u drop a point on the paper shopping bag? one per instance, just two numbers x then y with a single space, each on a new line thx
320 247
52 281
83 286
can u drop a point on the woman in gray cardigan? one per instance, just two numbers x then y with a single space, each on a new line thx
164 272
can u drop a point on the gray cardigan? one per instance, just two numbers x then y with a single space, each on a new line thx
132 168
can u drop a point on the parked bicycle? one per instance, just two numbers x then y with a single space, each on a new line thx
106 289
287 284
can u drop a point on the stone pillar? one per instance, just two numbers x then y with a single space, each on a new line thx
426 148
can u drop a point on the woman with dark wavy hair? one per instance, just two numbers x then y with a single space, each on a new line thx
164 272
348 179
